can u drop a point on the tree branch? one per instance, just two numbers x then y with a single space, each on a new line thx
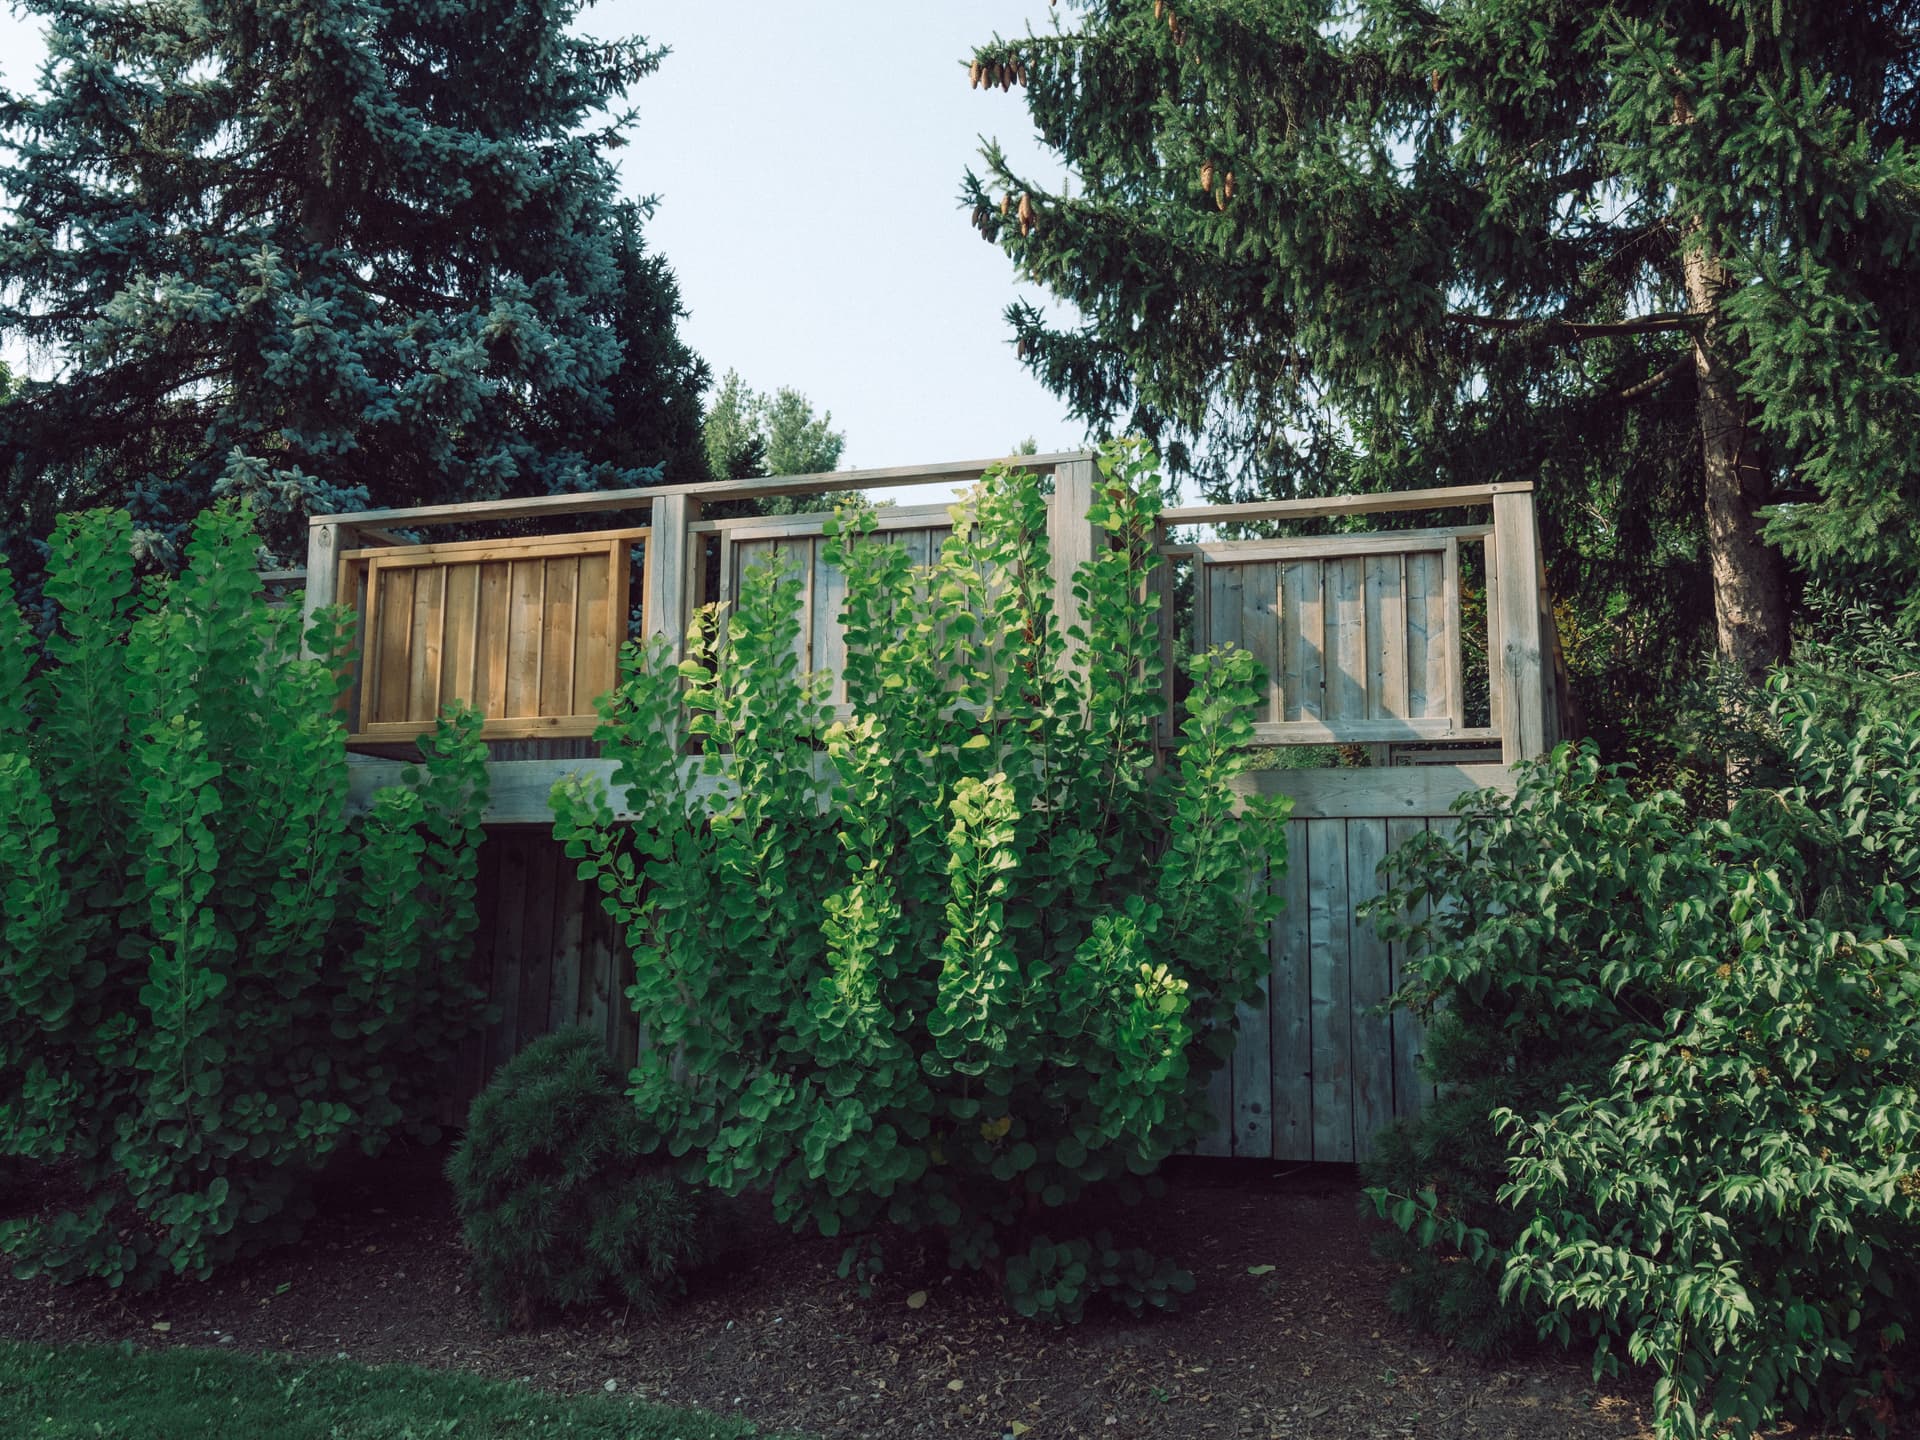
1655 381
1560 329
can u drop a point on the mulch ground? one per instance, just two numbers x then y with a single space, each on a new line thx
1306 1349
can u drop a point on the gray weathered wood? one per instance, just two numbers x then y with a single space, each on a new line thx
1522 719
1381 503
1329 918
669 562
1370 983
324 544
1290 997
1409 1040
1070 538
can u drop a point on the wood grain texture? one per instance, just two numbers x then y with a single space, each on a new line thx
1329 919
1370 983
1410 1091
1290 998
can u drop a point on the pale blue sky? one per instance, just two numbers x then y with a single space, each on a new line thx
808 160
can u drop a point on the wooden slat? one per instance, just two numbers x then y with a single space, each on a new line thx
1371 982
536 961
1252 1067
473 552
828 643
1386 639
1329 919
600 999
425 644
461 633
888 517
324 544
490 662
1330 547
1455 657
509 946
525 604
1496 681
1303 635
559 625
1226 604
1385 502
1071 539
392 665
1426 636
1260 632
1346 643
594 645
1290 998
570 901
1522 717
1409 1042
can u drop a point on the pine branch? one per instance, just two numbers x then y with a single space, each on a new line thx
1655 381
1559 330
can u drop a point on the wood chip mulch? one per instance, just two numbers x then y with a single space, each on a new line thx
1307 1348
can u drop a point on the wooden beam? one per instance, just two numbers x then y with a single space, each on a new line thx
669 568
1071 538
324 543
1380 503
1522 715
1315 547
596 501
1374 793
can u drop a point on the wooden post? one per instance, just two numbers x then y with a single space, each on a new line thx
324 543
1071 538
1522 715
669 564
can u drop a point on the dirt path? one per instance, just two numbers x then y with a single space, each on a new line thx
1307 1349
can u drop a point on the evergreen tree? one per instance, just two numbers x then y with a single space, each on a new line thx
750 433
1658 257
329 254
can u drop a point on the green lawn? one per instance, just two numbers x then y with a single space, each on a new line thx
123 1394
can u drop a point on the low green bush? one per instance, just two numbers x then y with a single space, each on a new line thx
1687 1054
212 979
971 980
558 1205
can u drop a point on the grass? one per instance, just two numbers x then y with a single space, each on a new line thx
107 1393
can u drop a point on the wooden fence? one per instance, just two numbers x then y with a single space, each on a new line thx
1363 634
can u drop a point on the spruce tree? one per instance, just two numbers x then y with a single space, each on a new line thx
1658 257
750 432
329 254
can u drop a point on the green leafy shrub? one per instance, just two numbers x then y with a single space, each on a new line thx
971 978
559 1208
211 980
1688 1055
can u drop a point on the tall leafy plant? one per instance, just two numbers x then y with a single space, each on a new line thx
1687 1057
212 980
962 954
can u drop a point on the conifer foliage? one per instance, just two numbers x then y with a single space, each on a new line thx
329 254
1659 257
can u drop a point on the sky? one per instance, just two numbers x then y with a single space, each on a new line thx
808 160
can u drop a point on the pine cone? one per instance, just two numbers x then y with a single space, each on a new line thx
1229 185
1006 204
1026 213
1206 175
1158 7
973 75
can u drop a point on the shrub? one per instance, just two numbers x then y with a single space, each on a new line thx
972 978
558 1206
211 980
1695 1074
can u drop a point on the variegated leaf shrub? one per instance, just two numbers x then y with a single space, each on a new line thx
961 958
212 981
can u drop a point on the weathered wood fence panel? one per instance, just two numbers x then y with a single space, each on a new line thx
526 630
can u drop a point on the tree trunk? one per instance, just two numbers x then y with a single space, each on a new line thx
1749 593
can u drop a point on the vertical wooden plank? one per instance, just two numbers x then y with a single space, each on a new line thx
1218 1141
462 605
669 569
1226 604
570 899
829 643
1304 634
1386 624
1371 983
1523 697
1456 640
1345 654
478 970
426 642
510 914
600 999
559 625
593 642
323 575
536 957
525 595
1260 633
1252 1067
493 629
1329 923
1070 538
395 643
1290 1000
1496 672
1409 1039
1426 636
